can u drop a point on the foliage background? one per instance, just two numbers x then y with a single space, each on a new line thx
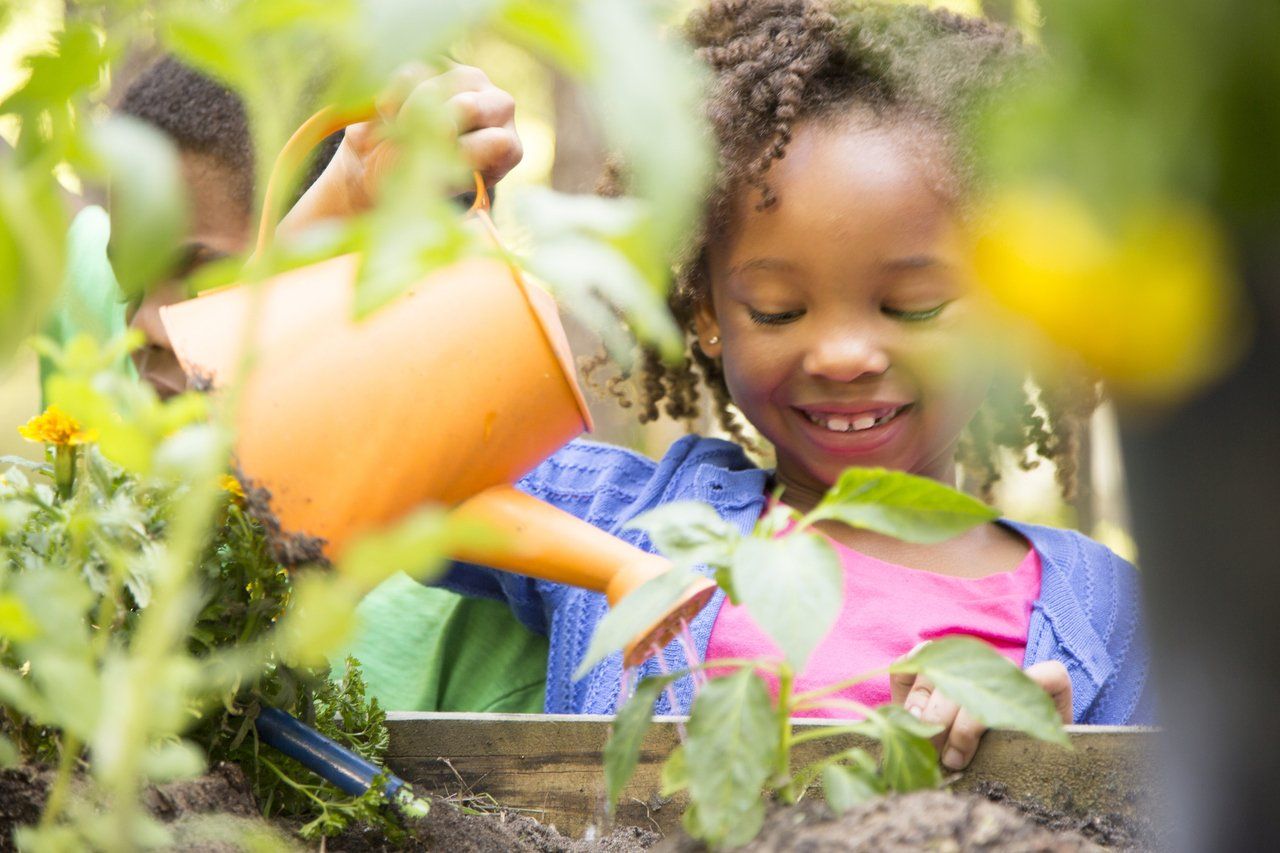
563 150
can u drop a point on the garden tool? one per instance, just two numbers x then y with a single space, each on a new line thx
329 759
448 394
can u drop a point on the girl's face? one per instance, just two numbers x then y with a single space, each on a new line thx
843 312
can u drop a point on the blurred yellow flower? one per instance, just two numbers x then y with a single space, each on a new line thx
58 428
232 486
1151 307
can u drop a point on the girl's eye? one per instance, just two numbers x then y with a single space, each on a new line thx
763 319
916 316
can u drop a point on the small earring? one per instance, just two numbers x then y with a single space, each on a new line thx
713 340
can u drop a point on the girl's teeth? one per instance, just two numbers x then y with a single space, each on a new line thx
858 424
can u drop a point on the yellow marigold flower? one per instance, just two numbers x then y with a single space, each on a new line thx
58 428
1149 304
232 486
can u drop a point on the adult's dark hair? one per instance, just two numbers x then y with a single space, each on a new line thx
204 117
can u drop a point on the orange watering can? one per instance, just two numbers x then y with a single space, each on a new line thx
448 394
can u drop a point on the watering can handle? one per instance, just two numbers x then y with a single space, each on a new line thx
311 133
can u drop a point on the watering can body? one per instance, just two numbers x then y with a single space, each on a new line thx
461 384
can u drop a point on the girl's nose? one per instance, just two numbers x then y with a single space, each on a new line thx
845 356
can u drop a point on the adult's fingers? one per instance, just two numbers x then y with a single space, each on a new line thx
491 151
962 741
491 107
1053 677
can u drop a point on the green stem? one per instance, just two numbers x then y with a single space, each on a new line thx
782 771
61 782
824 732
64 469
805 699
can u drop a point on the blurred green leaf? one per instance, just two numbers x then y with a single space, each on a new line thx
689 533
59 81
174 760
418 545
793 587
846 786
550 28
987 685
732 744
148 202
594 254
908 761
675 773
649 94
901 505
33 227
622 750
635 613
320 619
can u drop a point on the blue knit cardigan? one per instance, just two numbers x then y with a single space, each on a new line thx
1087 615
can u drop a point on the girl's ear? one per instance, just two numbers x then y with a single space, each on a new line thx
707 328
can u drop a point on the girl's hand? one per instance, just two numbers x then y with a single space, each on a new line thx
485 118
958 740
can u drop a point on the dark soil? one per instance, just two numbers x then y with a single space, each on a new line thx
937 821
448 828
200 813
207 814
289 549
1114 831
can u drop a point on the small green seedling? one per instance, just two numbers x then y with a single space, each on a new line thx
739 740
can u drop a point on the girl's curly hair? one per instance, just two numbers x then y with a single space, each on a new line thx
776 63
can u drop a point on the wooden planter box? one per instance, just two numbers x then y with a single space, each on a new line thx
550 766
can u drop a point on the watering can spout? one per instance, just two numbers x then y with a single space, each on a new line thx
548 542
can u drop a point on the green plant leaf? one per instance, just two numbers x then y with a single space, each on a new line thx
675 773
907 507
689 533
622 750
732 745
174 760
793 587
908 761
846 786
148 203
987 685
9 756
633 614
416 545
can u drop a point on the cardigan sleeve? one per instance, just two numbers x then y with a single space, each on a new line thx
594 482
1127 696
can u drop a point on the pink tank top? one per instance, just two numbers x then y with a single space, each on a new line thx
889 609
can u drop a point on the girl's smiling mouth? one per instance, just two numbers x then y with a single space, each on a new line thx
853 429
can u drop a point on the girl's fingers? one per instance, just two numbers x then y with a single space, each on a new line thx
962 741
1053 677
491 151
917 698
900 684
940 711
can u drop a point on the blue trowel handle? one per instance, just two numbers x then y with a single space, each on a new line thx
327 759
